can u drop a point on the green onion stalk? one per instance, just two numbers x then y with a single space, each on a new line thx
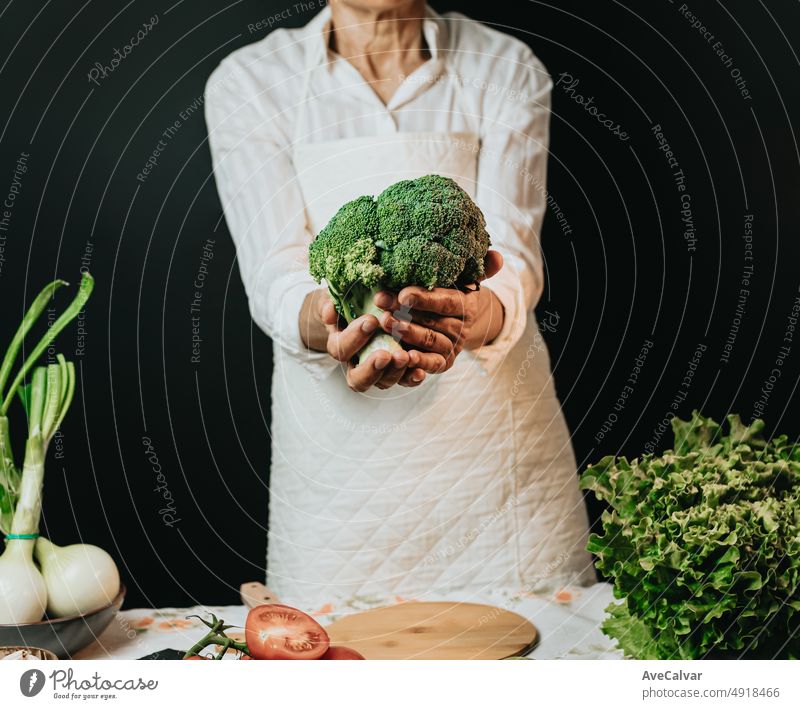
46 399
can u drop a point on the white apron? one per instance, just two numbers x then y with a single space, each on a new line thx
465 482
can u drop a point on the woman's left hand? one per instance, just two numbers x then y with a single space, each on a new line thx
444 320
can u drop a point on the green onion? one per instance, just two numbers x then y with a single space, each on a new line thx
84 291
46 399
23 594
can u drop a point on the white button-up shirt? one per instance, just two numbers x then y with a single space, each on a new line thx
291 87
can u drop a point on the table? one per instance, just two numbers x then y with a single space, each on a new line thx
568 620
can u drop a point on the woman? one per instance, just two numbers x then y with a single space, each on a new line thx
461 476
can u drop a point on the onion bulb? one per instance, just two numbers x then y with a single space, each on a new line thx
23 594
80 578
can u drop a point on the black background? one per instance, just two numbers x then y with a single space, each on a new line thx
623 275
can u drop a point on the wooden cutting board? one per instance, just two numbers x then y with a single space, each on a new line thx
435 631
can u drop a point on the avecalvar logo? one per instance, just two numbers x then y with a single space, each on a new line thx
31 682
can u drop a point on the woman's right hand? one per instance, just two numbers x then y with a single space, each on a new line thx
321 331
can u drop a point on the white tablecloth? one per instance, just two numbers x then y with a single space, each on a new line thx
568 621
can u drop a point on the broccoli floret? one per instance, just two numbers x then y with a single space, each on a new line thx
424 232
431 234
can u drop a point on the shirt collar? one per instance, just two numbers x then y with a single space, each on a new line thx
433 28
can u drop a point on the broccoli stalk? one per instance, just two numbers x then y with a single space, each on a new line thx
424 232
358 301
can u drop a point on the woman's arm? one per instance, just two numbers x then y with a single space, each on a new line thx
265 211
512 170
263 204
512 192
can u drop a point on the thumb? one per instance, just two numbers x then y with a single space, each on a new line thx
492 264
326 311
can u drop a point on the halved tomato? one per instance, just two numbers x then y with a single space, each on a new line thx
278 632
339 652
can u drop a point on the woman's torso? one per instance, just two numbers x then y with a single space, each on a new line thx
466 481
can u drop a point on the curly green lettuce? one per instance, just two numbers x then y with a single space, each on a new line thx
703 544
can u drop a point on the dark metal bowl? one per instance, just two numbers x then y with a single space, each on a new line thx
63 636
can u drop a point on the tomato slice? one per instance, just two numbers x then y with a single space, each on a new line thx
278 632
339 652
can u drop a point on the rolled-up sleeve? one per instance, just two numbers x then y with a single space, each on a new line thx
511 191
263 204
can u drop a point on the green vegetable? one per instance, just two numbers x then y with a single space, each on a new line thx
46 399
23 592
10 476
424 232
703 544
215 636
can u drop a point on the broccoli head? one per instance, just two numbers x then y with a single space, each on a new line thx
431 234
424 232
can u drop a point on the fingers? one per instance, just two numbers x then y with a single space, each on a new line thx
429 362
383 370
363 376
452 327
386 300
412 378
440 301
492 264
421 298
343 345
417 336
394 371
327 311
